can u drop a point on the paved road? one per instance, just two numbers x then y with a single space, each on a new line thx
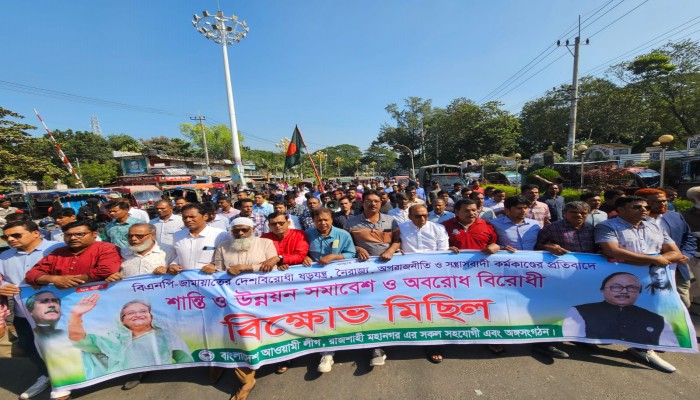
467 372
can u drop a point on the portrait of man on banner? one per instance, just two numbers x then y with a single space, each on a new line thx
617 318
135 342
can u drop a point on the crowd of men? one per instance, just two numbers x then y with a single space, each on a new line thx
271 231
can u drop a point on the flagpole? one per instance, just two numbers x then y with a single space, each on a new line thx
313 165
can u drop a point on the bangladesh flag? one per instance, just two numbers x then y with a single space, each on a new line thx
294 150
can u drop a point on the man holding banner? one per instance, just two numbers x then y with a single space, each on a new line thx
327 244
516 232
634 239
82 260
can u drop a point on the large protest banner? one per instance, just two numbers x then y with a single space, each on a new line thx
100 331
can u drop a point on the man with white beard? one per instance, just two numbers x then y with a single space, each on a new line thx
143 256
244 253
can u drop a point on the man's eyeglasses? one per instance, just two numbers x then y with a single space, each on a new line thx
619 288
277 223
78 235
419 216
13 236
137 236
639 207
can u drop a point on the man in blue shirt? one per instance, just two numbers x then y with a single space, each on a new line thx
516 232
27 249
117 229
262 206
327 244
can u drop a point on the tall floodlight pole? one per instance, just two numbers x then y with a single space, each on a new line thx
226 31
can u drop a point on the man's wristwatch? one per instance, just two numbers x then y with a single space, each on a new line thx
281 261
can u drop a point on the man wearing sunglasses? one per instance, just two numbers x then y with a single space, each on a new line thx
635 239
27 248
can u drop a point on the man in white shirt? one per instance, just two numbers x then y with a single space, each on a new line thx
400 213
166 224
143 256
194 246
420 235
139 214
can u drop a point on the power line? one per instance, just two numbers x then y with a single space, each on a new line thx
522 71
17 87
619 18
650 43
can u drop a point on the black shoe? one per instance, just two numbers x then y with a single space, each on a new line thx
550 350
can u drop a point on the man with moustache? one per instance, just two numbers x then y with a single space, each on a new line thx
327 244
166 224
245 252
194 246
82 260
143 256
635 239
281 207
291 244
616 317
257 218
116 229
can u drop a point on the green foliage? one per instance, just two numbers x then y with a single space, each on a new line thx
570 194
83 146
124 142
21 156
219 141
409 130
682 205
510 190
173 147
96 173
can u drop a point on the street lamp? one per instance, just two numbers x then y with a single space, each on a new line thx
410 152
357 167
338 160
517 174
664 141
582 150
226 31
482 161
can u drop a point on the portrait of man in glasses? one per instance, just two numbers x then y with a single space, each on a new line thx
616 317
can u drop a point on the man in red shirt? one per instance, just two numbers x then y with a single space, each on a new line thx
292 247
466 231
82 260
291 244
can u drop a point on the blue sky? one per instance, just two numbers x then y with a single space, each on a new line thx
329 66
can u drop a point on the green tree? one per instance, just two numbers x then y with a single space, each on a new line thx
124 142
409 130
465 130
219 140
19 159
83 146
95 173
669 79
385 158
173 147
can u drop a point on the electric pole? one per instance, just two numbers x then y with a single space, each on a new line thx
570 148
201 119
